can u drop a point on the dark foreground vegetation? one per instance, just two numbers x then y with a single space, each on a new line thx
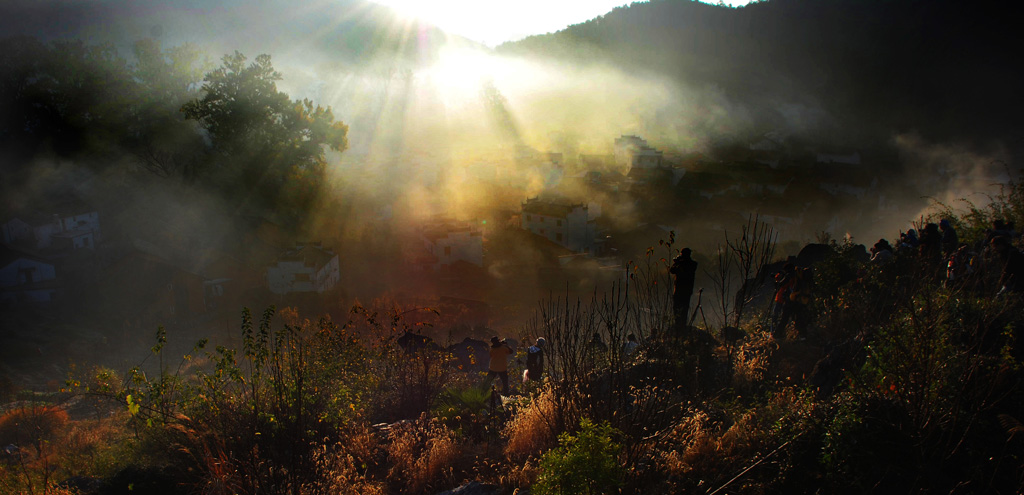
908 383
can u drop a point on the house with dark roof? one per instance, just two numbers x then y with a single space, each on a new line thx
309 267
562 222
69 228
449 243
25 278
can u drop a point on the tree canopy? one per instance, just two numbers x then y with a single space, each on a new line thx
261 139
167 113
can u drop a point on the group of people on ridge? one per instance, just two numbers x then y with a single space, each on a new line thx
500 352
960 264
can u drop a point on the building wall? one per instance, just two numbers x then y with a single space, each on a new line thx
465 245
85 241
573 231
16 272
44 233
18 285
579 231
85 221
16 231
296 276
328 276
290 276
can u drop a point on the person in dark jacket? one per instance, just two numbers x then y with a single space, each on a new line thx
535 361
950 241
1012 277
685 270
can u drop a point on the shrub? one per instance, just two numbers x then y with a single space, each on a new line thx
32 425
584 463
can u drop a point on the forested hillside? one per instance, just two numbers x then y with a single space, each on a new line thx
843 70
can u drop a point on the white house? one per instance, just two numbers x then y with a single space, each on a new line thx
451 242
309 267
634 152
26 278
567 224
76 228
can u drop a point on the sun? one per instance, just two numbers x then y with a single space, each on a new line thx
493 23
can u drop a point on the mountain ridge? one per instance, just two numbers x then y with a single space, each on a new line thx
943 69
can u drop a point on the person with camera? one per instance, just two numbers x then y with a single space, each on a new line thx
498 366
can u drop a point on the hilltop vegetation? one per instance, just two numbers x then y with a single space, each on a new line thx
909 383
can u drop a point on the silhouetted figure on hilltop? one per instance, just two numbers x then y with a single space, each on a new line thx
908 241
795 306
1012 277
959 266
930 244
881 252
785 280
950 241
999 229
685 270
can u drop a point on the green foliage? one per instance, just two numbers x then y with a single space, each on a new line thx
464 409
583 463
973 220
265 142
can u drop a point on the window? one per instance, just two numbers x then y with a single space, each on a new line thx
558 223
529 218
558 237
26 275
447 250
302 277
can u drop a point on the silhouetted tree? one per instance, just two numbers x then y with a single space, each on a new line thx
264 143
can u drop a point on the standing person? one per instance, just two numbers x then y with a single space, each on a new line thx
596 352
795 306
630 346
950 241
785 281
498 366
1011 279
685 270
535 361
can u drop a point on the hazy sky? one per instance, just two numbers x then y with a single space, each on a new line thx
493 22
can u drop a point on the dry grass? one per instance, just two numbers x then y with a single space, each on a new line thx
421 454
533 428
342 473
32 425
60 449
750 362
713 448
